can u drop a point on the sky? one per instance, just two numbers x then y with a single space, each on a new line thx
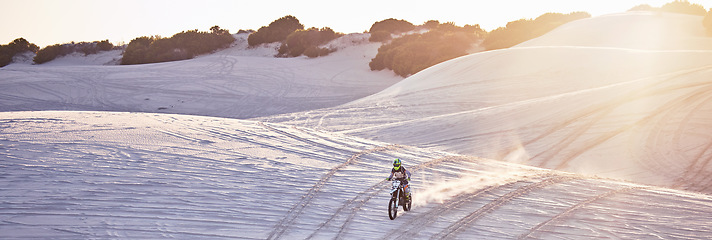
47 22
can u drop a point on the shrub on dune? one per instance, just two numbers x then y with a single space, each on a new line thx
17 46
181 46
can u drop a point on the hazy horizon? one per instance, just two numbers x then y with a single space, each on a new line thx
47 22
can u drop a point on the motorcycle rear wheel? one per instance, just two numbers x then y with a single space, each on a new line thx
406 206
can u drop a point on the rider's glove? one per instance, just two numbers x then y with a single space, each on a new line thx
388 179
408 179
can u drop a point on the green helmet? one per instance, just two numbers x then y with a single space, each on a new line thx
396 164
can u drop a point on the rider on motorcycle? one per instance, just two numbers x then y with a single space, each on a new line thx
400 173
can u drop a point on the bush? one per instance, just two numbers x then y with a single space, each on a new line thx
20 45
314 51
218 31
707 22
430 24
299 41
412 53
137 50
51 52
392 26
677 6
643 7
181 46
277 31
522 30
5 59
104 45
684 7
380 36
48 53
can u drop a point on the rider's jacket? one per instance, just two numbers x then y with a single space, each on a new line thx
401 173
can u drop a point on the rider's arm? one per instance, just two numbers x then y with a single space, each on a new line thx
407 173
391 176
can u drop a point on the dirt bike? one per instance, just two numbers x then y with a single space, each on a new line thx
398 199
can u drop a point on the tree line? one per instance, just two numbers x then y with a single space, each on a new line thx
682 7
411 53
181 46
677 6
406 48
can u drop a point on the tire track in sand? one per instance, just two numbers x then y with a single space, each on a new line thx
570 210
455 227
432 215
599 112
307 198
355 204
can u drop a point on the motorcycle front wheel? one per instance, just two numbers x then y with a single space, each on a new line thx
393 208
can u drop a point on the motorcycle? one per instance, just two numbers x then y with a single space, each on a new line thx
398 199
